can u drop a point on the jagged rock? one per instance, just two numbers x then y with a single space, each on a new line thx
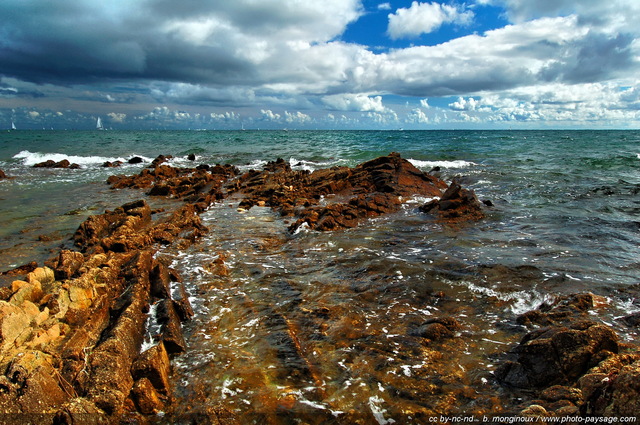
557 355
146 397
2 175
171 329
368 190
455 204
67 264
109 164
160 159
153 365
613 387
52 164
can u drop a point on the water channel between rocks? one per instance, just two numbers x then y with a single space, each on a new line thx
326 327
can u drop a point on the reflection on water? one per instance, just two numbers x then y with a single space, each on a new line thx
327 327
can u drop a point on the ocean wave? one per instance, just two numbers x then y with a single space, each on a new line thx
31 158
444 164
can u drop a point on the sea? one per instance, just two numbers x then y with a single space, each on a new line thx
313 325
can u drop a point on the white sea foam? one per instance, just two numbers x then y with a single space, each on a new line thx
424 165
32 158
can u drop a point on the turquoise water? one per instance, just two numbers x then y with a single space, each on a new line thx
319 324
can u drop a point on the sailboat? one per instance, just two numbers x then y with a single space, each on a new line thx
13 126
99 124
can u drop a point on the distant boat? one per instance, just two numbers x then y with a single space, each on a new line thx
99 124
13 126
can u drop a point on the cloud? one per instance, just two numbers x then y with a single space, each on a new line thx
423 18
297 117
464 105
269 115
354 102
117 117
417 116
384 6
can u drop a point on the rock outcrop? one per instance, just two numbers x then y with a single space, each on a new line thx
71 332
573 365
456 204
341 197
60 164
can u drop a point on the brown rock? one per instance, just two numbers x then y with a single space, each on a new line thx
455 204
171 328
67 264
2 175
556 355
146 397
153 365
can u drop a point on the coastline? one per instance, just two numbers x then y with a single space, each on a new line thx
110 279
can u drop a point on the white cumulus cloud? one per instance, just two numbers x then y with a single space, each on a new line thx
423 18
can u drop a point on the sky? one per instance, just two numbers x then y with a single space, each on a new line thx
330 64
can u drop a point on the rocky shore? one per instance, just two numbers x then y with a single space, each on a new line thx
72 331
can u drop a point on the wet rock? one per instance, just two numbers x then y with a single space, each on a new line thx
2 175
160 159
171 329
338 197
21 270
135 160
455 204
557 355
631 320
114 164
613 387
565 310
52 164
153 365
191 157
437 328
146 397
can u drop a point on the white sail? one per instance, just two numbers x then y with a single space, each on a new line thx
13 126
99 124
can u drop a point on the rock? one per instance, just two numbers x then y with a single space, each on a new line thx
455 204
21 270
171 329
556 355
2 175
80 411
631 320
191 157
437 328
613 388
160 160
146 397
135 160
535 411
67 264
560 392
114 164
52 164
153 365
